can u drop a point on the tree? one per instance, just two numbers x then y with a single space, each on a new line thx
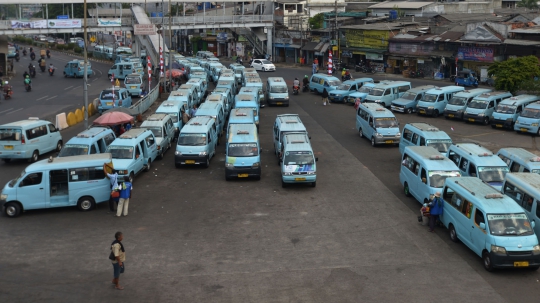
317 21
530 4
511 74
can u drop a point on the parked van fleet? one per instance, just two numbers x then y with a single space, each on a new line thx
113 97
237 68
524 188
196 143
529 120
257 84
408 101
214 110
202 86
361 93
220 99
133 152
248 101
321 82
215 69
193 91
507 111
185 96
458 104
229 78
121 70
387 91
481 108
490 224
284 124
58 182
242 153
230 84
277 92
476 161
94 140
423 134
251 91
435 100
227 94
423 171
174 110
240 116
342 92
75 69
377 124
134 84
298 160
27 139
161 125
520 160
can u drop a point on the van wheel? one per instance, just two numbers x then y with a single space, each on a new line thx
408 110
85 203
131 177
486 121
360 133
13 209
435 113
487 261
453 233
406 190
533 268
258 178
35 156
313 184
148 166
207 163
373 141
59 146
7 160
283 184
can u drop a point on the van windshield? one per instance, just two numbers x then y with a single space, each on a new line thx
192 139
492 174
74 150
243 150
437 177
133 80
506 109
120 152
298 158
458 101
10 134
108 95
278 89
344 87
158 131
377 91
430 98
481 104
509 225
334 82
408 96
365 89
385 122
441 145
174 116
531 113
14 181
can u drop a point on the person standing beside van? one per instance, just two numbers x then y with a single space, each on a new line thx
325 97
436 209
114 185
125 195
185 116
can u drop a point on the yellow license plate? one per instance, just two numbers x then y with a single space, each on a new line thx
243 175
299 179
523 129
422 111
471 120
134 87
498 125
451 115
279 103
109 103
521 264
8 146
190 161
389 141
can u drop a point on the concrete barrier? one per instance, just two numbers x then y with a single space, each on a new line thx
71 119
61 122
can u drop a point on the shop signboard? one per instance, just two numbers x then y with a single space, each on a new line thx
375 39
144 29
478 54
346 54
372 56
109 21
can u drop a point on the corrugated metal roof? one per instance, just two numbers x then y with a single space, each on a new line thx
310 46
521 42
400 5
450 36
527 30
380 26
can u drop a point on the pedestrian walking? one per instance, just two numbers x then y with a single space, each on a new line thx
314 68
113 177
117 257
435 209
325 97
125 194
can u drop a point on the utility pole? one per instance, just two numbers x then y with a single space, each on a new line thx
336 32
170 46
85 82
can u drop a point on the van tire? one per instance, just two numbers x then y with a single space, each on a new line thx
486 121
59 146
314 183
408 111
373 142
283 184
7 160
207 163
360 133
13 209
131 177
435 113
406 189
148 166
453 234
35 156
86 203
487 261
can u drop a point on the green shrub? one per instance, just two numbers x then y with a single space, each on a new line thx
29 40
78 50
71 45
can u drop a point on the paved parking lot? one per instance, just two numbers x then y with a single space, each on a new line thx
193 237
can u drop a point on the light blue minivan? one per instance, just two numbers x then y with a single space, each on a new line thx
58 182
197 142
507 112
202 87
459 102
113 97
256 83
285 124
361 93
524 188
214 110
277 92
240 116
435 100
423 134
387 91
529 120
322 82
298 160
491 224
423 171
219 98
342 92
163 128
242 152
134 84
248 101
94 140
227 94
481 108
173 109
377 124
520 160
408 101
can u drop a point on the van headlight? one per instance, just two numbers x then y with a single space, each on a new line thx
498 250
417 106
310 172
177 153
286 98
287 173
378 101
4 197
480 115
378 135
271 98
534 124
229 165
202 154
256 165
459 111
536 250
431 107
398 135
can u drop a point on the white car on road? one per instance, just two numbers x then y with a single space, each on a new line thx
263 64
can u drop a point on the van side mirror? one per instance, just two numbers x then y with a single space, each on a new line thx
262 106
483 225
533 224
309 137
371 124
316 159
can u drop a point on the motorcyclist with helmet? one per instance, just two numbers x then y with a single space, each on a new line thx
305 81
296 82
28 81
51 69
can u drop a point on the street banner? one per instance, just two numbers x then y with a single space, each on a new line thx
144 29
109 22
28 24
64 23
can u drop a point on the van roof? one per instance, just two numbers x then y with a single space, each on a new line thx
377 110
157 117
494 94
430 132
26 123
132 133
244 97
445 89
525 156
291 123
247 90
243 133
253 80
276 79
215 98
198 124
486 198
297 142
183 92
421 89
482 155
533 105
325 76
388 83
94 160
92 132
529 182
169 106
518 100
358 80
208 107
240 112
472 92
432 156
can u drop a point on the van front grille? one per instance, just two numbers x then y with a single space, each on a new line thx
519 253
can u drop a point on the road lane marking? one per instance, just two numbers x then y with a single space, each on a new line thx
7 110
42 98
77 87
51 98
478 135
68 87
14 111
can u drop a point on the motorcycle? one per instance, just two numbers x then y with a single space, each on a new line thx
32 71
7 91
367 69
48 54
51 71
305 89
24 52
32 56
27 87
42 67
295 90
239 60
17 58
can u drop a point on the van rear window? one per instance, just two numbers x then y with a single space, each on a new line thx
73 150
10 134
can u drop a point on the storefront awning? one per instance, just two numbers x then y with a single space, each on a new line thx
356 50
310 46
409 57
325 47
438 53
210 38
293 46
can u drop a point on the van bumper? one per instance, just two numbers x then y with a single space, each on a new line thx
278 101
473 118
242 172
189 160
387 140
451 114
425 111
497 123
15 154
507 261
299 178
397 108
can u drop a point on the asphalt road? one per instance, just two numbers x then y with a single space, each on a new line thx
193 237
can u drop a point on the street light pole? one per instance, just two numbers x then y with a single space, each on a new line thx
170 44
85 82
